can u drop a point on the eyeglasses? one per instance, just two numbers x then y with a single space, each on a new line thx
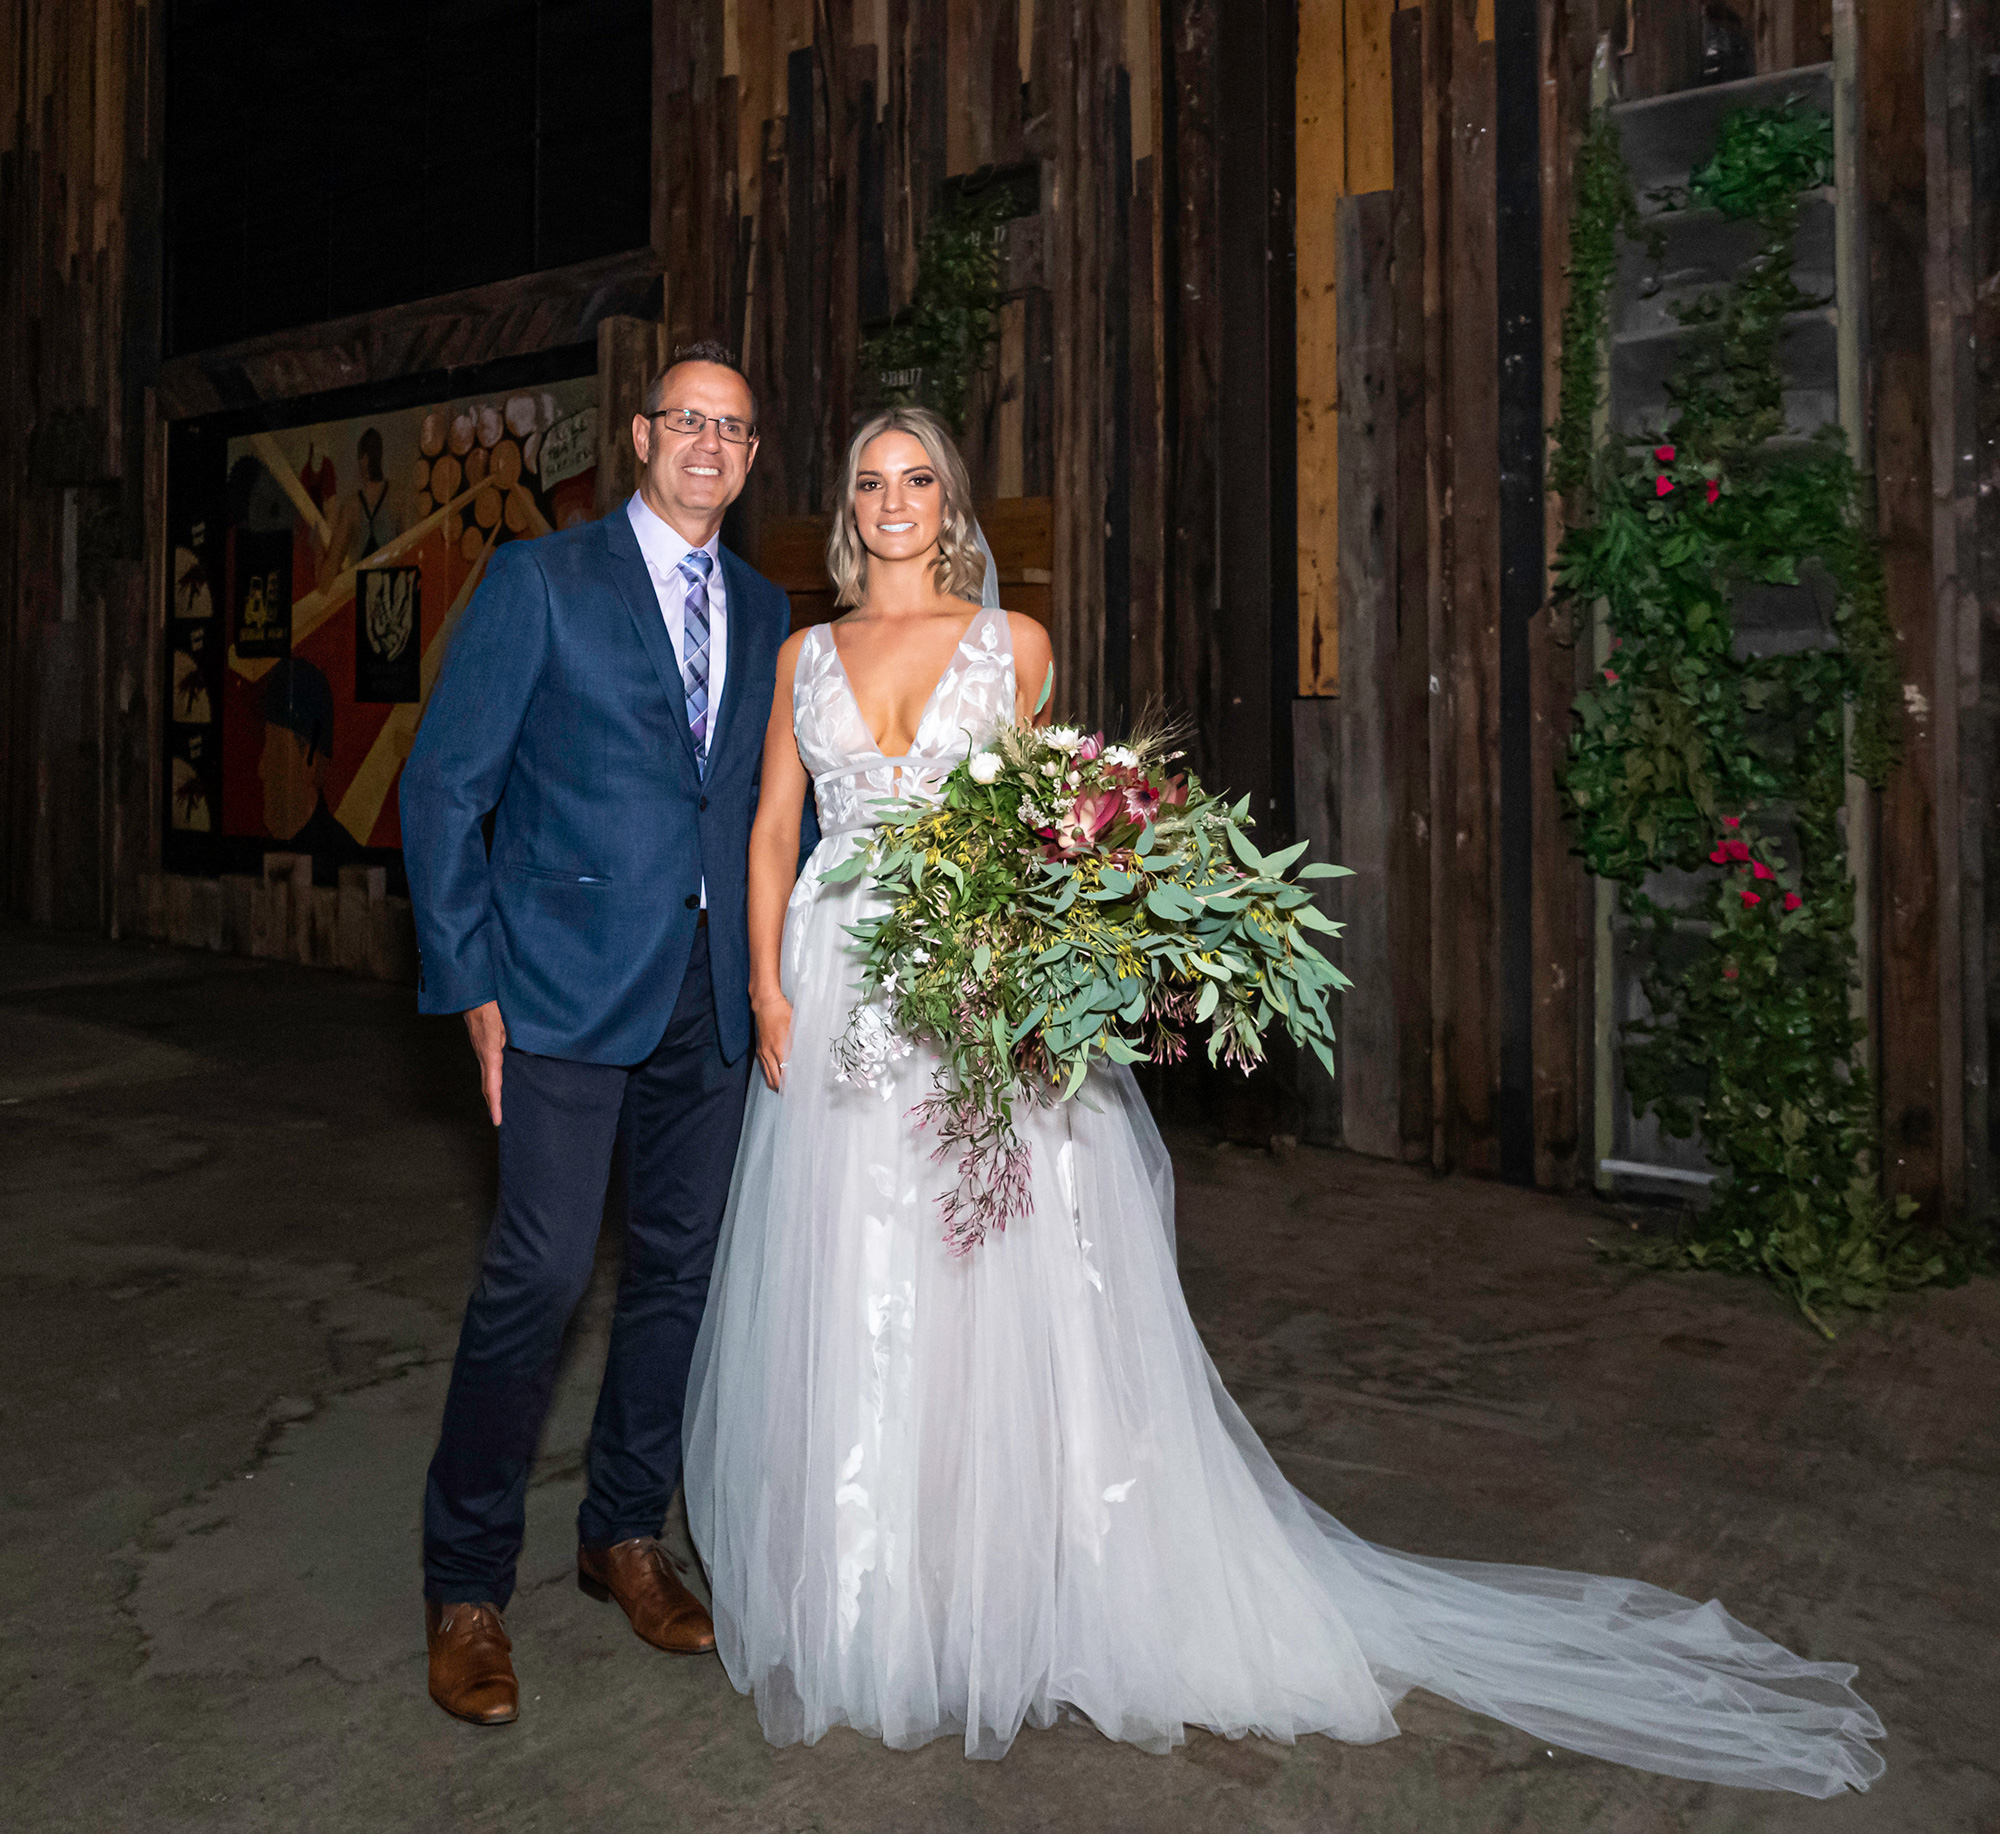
686 420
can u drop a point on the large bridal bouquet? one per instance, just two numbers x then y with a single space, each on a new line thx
1067 902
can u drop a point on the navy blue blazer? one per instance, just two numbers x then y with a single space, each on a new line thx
561 711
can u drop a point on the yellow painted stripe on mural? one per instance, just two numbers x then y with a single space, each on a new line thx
310 612
275 462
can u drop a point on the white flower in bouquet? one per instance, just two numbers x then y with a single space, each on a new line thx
1121 757
984 767
1061 738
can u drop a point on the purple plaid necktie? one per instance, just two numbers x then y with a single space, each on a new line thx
694 647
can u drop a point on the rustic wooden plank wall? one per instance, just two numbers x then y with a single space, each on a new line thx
1198 537
79 219
877 105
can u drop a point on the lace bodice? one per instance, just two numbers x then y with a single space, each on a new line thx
852 779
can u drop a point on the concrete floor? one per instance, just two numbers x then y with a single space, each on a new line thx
241 1207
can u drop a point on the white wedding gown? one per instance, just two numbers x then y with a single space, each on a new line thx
939 1495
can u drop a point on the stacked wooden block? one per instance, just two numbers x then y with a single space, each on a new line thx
282 915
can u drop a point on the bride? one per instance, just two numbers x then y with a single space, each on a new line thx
956 1495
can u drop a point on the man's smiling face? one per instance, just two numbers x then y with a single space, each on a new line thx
689 479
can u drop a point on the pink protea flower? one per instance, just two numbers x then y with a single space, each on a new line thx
1141 800
1086 818
1090 748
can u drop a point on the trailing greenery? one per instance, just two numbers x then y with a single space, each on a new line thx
1709 785
953 319
1605 209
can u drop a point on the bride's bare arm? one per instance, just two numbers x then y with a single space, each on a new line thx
1033 659
774 868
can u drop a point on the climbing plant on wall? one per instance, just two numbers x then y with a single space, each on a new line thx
1719 774
936 347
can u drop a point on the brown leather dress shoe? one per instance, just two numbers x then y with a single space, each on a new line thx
639 1576
472 1666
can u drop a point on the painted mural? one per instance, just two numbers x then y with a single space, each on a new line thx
306 633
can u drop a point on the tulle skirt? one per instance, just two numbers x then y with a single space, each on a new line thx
942 1495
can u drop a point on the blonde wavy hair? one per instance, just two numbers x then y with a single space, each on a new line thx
960 566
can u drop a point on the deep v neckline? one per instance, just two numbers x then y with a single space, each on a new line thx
930 700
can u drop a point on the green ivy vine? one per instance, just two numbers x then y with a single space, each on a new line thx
945 335
1688 759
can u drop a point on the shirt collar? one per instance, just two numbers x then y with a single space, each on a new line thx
663 545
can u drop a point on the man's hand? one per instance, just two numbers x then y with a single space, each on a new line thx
488 1032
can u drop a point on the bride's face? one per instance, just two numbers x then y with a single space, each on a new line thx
898 498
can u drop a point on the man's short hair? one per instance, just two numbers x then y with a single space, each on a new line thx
702 350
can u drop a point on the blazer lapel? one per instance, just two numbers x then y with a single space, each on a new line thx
635 586
736 578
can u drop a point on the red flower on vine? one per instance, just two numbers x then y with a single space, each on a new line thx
1729 974
1665 454
1662 486
1732 821
1731 853
1750 898
1793 901
1714 490
1758 870
1611 675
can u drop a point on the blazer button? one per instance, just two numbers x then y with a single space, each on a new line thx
692 900
704 805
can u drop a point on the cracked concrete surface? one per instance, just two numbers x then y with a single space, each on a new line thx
240 1204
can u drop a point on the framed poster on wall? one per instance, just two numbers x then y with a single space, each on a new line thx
319 568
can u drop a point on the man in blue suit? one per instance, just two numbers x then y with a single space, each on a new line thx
604 701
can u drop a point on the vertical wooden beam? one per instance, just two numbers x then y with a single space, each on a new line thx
1368 117
1148 649
1912 1047
1411 842
629 353
1963 754
1980 760
1561 919
1194 335
803 137
1081 50
1523 566
1471 610
1370 1035
1114 234
1321 128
